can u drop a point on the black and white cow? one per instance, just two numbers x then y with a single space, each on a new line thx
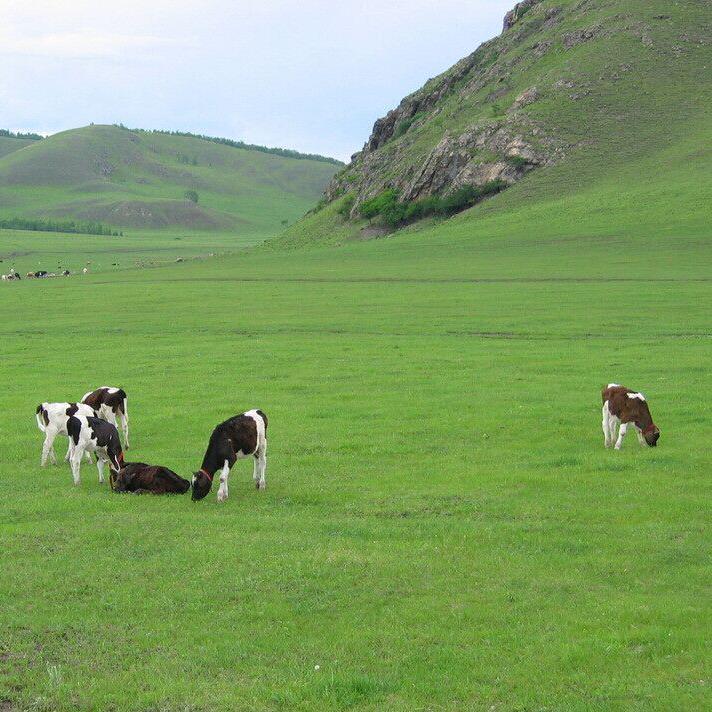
52 421
111 404
90 434
140 478
236 438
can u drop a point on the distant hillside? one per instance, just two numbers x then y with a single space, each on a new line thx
569 92
153 180
10 142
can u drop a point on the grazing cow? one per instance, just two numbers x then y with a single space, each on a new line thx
236 438
66 273
623 406
89 434
110 403
52 420
141 478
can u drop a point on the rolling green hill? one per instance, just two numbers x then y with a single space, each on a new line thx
140 179
576 98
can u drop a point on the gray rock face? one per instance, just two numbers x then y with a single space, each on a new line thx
525 98
577 37
516 14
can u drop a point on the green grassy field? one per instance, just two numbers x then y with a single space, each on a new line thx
442 528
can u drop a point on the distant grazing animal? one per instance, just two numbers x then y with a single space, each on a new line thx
626 407
85 270
52 420
90 434
110 403
30 275
66 273
236 438
141 478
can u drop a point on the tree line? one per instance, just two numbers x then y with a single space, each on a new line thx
17 134
38 225
284 152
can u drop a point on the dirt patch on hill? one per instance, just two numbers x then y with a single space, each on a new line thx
150 214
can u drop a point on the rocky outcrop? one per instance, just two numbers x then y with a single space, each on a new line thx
424 100
516 13
501 142
525 98
586 34
466 160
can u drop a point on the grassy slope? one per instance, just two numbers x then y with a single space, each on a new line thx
633 103
139 180
9 144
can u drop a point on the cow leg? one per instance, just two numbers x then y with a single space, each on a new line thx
260 468
100 467
48 447
606 425
613 424
224 474
639 433
621 434
68 456
125 428
75 462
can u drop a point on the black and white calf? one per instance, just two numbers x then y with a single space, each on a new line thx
236 438
112 405
52 420
90 434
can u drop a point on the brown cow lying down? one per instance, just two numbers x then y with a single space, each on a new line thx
141 478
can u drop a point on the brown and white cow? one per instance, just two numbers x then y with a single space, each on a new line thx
625 407
111 404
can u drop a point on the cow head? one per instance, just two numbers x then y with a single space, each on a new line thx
651 434
201 484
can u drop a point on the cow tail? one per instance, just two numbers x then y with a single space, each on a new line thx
38 415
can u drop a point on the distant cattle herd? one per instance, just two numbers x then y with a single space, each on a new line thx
13 275
91 427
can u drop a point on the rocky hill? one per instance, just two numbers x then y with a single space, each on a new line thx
566 78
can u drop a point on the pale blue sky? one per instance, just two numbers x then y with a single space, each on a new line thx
310 75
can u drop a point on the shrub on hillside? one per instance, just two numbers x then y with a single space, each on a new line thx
379 204
396 214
